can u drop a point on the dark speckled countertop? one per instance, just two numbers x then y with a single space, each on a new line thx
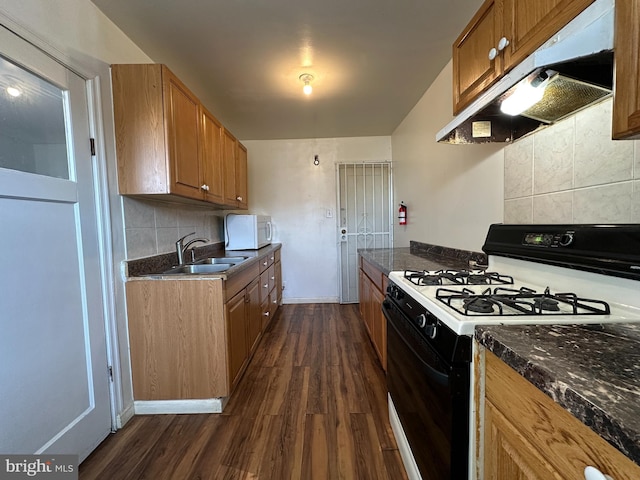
421 256
591 371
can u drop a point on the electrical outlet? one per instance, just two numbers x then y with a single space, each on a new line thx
284 284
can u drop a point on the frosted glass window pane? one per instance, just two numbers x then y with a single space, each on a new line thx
32 123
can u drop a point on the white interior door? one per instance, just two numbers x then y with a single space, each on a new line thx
53 363
364 209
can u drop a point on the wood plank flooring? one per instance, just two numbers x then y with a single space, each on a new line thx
312 405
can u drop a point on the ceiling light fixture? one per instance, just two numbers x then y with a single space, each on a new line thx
306 78
526 94
14 92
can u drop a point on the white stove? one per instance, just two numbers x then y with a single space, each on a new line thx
521 292
536 274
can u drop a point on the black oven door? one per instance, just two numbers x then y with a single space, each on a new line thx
431 398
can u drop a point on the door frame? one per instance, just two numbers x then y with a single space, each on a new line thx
337 215
94 91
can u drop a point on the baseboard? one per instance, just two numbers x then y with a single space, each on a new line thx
124 416
155 407
310 300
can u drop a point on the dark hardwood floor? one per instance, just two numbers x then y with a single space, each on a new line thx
312 405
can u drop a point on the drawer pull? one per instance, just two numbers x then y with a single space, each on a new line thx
266 314
503 43
493 53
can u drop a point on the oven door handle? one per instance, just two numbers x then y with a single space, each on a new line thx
438 377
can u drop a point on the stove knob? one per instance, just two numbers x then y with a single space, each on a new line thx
430 331
566 239
397 294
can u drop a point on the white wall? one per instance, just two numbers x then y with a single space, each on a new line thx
77 33
453 192
284 183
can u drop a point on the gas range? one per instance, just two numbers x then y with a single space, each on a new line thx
532 278
536 274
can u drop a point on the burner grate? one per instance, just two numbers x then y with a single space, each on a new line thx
456 277
523 301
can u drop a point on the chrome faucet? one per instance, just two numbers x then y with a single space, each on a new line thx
181 248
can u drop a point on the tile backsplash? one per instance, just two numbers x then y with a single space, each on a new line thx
152 227
572 172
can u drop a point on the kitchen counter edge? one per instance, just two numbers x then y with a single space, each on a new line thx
592 371
255 255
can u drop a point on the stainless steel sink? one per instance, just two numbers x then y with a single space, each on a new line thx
199 269
218 260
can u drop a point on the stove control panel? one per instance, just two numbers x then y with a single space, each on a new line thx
561 239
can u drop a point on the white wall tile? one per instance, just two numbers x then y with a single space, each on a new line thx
166 239
141 242
598 159
166 216
518 211
138 214
553 158
635 207
636 169
518 168
553 208
609 204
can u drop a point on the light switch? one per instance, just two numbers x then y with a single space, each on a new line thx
329 213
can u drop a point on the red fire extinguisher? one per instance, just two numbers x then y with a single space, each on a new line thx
402 214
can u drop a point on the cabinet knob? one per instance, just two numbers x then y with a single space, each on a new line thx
592 473
493 53
239 199
266 314
503 43
273 278
275 302
265 263
266 285
205 187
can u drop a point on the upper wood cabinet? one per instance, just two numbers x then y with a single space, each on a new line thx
211 158
241 176
500 35
229 149
626 97
167 142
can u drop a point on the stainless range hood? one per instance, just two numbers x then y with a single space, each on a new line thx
579 63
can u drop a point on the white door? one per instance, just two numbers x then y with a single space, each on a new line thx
54 394
364 221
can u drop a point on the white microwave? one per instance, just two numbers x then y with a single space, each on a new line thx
247 232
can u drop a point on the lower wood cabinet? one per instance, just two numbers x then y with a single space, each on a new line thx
371 296
193 338
529 436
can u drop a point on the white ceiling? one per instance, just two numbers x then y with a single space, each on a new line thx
372 59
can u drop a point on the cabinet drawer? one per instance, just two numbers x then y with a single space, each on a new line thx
266 261
238 281
373 273
265 284
561 439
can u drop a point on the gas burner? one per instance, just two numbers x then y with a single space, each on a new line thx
522 301
456 277
478 305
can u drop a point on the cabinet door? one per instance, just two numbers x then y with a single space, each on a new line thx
379 324
229 150
241 177
236 335
473 71
508 455
527 24
626 97
211 158
182 126
254 314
